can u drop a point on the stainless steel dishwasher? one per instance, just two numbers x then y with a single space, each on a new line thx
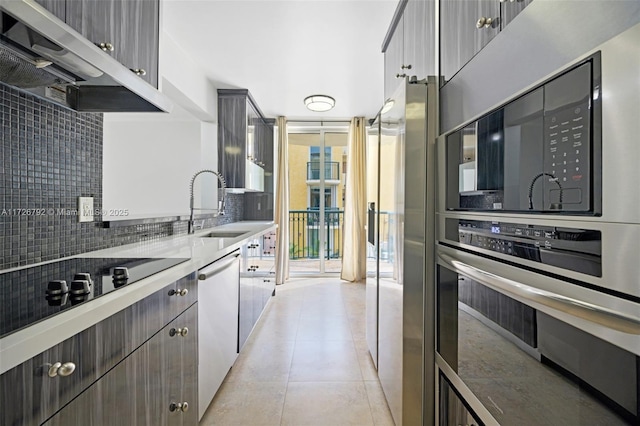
218 292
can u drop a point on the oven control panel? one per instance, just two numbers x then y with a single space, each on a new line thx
574 249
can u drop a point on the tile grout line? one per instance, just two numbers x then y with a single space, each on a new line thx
353 340
307 295
295 342
364 384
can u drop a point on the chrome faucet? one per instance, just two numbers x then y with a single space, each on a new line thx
191 229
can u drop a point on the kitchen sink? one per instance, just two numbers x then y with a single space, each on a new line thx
225 234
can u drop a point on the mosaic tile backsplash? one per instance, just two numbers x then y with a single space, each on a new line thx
50 156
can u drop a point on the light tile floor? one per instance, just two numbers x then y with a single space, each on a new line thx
306 363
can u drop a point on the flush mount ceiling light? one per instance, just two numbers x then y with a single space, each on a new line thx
319 103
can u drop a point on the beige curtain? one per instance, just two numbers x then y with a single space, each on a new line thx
282 205
354 256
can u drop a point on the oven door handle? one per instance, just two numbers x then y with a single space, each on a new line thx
577 308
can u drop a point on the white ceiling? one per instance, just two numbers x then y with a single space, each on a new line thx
283 51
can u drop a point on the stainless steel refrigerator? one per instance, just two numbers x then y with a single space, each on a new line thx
400 228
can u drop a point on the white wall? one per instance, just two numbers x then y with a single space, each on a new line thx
149 159
185 82
206 185
148 163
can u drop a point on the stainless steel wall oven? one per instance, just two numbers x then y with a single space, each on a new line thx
538 227
519 355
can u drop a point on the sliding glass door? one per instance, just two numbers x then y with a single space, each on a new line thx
317 170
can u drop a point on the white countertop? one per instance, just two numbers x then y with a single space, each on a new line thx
201 251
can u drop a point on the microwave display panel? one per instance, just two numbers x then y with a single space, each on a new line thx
539 153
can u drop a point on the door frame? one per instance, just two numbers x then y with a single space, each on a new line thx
320 128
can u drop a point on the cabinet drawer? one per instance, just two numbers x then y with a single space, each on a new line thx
185 295
141 388
28 395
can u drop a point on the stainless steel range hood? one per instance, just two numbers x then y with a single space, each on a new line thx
41 54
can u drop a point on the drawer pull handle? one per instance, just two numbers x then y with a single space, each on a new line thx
139 71
107 47
179 292
485 22
179 406
182 332
62 370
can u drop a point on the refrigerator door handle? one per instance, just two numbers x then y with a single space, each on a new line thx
371 223
584 310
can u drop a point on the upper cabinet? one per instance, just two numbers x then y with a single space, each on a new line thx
467 26
409 48
260 205
254 124
510 9
128 30
137 40
393 56
264 150
245 141
57 7
419 38
393 61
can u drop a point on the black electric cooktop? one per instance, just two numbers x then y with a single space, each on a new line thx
36 293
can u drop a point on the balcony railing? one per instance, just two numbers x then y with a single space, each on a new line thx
304 233
304 237
331 170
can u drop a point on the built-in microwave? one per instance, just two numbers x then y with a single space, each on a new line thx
537 153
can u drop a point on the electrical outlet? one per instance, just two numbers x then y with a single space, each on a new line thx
85 209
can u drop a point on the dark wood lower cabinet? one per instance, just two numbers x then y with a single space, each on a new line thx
182 362
257 282
117 348
29 396
154 385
